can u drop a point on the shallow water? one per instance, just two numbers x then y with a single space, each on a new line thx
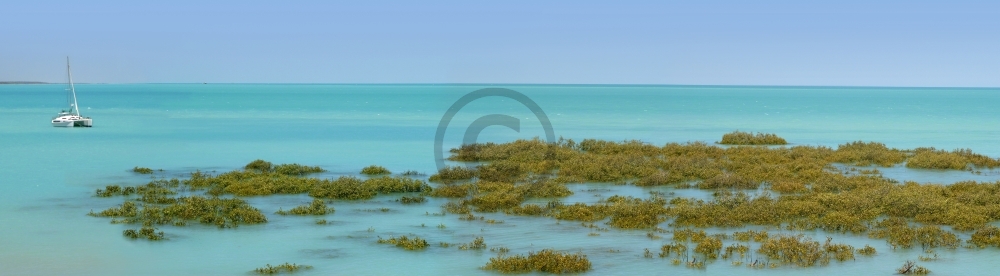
48 175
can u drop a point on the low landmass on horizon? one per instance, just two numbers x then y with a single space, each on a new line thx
23 82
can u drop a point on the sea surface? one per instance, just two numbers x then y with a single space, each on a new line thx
48 175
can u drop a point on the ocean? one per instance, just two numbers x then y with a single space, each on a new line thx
48 175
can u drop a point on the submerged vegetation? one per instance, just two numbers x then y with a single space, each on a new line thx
747 138
804 252
794 188
157 203
930 158
412 199
910 267
222 212
375 170
986 236
142 170
803 188
476 244
316 208
286 267
261 166
547 260
415 243
145 232
797 188
255 183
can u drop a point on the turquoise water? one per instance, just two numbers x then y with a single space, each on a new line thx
48 175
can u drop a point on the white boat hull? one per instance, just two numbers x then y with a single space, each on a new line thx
62 123
85 122
72 121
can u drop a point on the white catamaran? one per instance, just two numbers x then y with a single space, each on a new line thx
71 117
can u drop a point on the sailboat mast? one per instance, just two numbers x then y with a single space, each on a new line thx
73 109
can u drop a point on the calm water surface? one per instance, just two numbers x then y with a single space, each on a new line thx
48 175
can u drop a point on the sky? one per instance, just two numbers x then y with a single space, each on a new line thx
708 42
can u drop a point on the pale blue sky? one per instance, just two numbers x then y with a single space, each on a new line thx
856 43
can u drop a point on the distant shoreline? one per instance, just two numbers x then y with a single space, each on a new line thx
22 82
530 84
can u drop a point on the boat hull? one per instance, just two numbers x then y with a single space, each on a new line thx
84 123
62 123
72 121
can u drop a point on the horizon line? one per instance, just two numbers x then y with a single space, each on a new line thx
512 83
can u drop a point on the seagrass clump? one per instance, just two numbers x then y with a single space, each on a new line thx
412 173
352 188
451 174
868 250
501 171
450 190
804 252
932 236
751 235
296 169
159 191
476 244
729 181
676 249
860 153
910 267
156 191
259 166
545 187
456 208
840 252
797 250
495 196
657 179
547 260
257 178
709 247
388 185
733 249
344 187
127 209
265 167
282 268
412 199
635 213
986 236
625 212
523 151
929 158
415 243
579 212
222 212
748 138
142 170
624 147
146 232
959 159
113 190
375 170
608 168
527 210
900 234
977 160
316 208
